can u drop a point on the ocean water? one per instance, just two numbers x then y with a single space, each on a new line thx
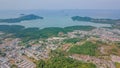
59 18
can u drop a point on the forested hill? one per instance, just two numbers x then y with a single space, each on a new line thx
95 20
21 18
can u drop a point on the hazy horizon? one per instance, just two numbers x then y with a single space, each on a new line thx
58 4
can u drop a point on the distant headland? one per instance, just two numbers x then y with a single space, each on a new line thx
89 19
21 18
113 22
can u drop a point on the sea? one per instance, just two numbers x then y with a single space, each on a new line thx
59 18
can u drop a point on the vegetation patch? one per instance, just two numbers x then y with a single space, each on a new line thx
63 62
117 65
36 33
87 48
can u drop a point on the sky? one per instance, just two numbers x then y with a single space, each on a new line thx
58 4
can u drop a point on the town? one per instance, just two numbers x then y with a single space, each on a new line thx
13 51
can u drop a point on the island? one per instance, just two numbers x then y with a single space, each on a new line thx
21 18
114 22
